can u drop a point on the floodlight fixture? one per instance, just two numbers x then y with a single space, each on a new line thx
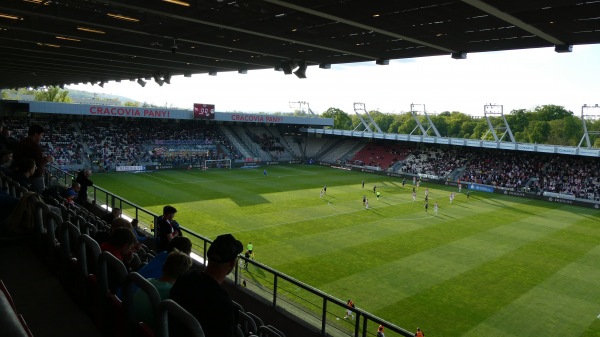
167 78
288 67
243 71
325 65
459 55
382 62
158 78
563 48
187 74
212 73
301 71
141 82
174 46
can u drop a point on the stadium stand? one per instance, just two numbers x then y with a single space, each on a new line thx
380 156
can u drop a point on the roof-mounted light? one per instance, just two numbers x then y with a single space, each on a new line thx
122 17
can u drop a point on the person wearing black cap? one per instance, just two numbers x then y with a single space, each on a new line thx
201 294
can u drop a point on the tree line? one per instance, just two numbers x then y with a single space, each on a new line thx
545 124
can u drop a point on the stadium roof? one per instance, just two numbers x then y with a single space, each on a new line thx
55 42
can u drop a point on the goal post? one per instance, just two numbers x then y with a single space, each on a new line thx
216 163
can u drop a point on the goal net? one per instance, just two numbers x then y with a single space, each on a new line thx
216 163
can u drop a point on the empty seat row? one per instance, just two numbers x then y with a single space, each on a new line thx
13 324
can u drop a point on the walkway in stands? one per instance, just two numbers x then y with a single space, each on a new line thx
39 297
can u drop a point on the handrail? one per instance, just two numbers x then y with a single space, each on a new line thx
325 298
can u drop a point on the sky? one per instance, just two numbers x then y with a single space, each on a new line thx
521 79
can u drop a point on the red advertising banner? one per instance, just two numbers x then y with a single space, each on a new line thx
204 111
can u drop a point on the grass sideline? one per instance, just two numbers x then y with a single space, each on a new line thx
491 265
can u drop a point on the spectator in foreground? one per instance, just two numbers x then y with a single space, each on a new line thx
176 263
120 244
83 178
154 268
6 158
110 217
30 148
166 228
201 293
70 194
22 170
380 330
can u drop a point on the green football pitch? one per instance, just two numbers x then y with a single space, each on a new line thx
489 265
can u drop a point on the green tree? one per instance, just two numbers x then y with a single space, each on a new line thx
518 120
384 120
466 129
441 124
53 94
566 131
455 121
550 112
480 130
132 104
4 94
538 132
341 120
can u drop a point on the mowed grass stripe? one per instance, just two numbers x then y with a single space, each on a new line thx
570 295
364 248
403 277
467 300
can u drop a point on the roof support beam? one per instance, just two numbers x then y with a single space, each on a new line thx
239 30
491 10
357 24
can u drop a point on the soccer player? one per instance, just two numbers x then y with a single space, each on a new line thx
414 195
366 203
250 249
435 208
363 184
426 191
378 194
374 188
459 187
403 182
322 193
468 194
426 205
325 189
349 312
265 172
364 199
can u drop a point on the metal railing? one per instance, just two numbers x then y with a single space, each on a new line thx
320 310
